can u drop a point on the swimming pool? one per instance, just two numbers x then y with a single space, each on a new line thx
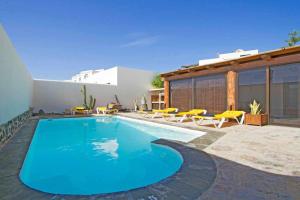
83 156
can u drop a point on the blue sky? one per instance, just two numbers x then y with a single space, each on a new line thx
59 38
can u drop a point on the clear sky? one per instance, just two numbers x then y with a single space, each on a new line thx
59 38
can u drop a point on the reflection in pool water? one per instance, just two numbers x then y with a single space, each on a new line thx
109 147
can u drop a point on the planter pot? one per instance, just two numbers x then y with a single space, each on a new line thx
259 120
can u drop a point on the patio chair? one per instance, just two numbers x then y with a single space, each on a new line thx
106 110
221 118
184 115
78 109
159 113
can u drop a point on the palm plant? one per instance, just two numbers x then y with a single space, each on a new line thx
293 38
255 108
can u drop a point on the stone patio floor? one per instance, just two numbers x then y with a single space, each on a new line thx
251 163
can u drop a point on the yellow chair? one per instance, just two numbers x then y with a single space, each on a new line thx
78 109
221 118
185 115
104 110
158 113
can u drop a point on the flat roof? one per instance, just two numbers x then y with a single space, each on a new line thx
262 55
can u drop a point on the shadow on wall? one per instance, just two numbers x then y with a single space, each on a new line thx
15 81
237 181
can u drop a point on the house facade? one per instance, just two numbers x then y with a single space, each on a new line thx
272 78
99 76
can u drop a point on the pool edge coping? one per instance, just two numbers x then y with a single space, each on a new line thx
173 179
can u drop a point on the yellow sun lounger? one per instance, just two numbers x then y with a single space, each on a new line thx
185 115
104 110
221 118
159 113
78 109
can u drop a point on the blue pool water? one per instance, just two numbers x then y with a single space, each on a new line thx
95 155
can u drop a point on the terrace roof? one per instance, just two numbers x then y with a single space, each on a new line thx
245 59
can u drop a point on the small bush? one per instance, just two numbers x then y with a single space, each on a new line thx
157 82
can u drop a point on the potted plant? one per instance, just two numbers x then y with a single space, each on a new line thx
255 117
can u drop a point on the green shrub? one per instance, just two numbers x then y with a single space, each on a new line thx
157 82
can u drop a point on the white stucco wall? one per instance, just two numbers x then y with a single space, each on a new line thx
133 84
15 81
56 96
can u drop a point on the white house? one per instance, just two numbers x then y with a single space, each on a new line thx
228 56
84 75
100 76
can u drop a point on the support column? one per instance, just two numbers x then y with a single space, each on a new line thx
167 93
231 90
268 93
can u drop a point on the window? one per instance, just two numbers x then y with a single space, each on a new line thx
207 92
181 94
252 86
285 94
210 93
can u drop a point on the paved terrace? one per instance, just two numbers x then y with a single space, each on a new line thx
253 162
236 162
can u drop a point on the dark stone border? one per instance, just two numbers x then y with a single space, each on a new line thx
8 129
195 176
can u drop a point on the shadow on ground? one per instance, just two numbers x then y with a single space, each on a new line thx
237 181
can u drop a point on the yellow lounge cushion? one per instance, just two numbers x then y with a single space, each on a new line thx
79 108
102 108
105 109
192 112
167 110
229 114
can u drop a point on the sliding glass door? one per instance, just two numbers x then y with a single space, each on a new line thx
207 92
181 94
285 94
210 93
252 86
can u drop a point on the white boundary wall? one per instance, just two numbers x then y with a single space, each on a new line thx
56 96
15 81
